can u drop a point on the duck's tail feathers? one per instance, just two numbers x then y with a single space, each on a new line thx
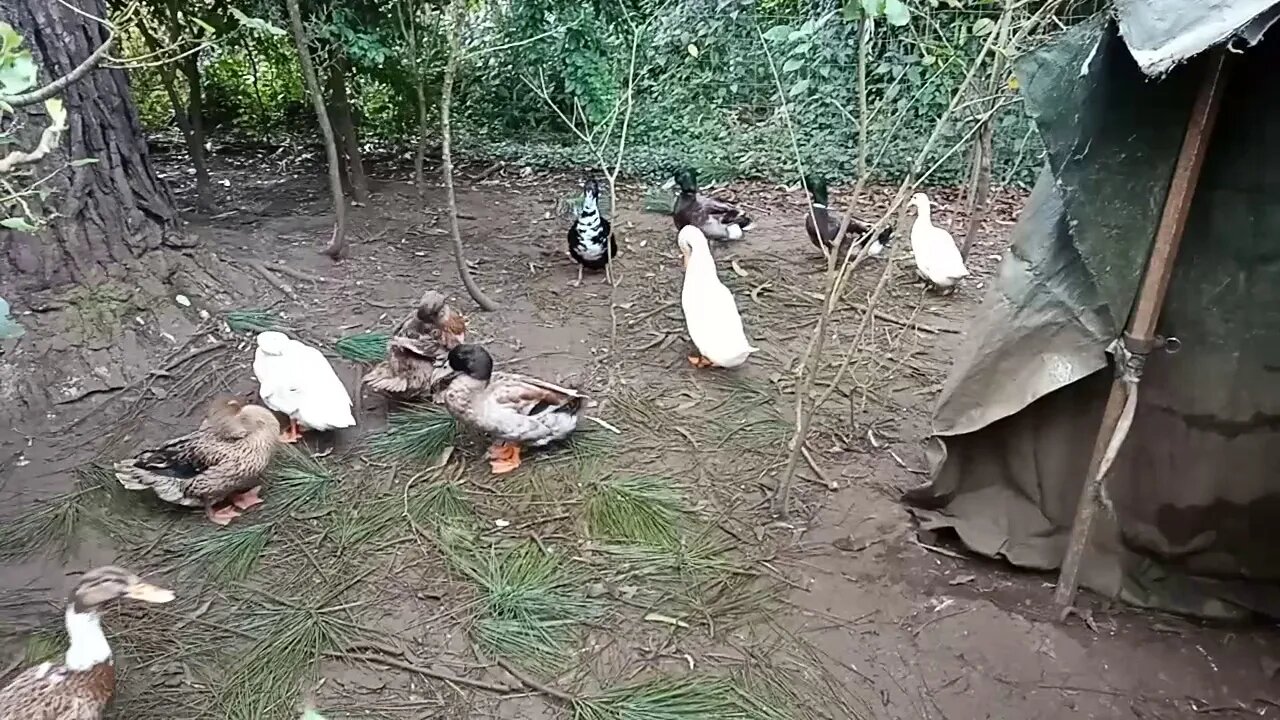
168 489
734 231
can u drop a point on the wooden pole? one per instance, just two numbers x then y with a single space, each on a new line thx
1140 338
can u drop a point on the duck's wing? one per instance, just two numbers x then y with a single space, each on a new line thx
724 212
324 402
531 396
170 469
408 368
451 328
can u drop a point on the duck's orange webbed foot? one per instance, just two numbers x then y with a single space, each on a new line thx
699 361
504 457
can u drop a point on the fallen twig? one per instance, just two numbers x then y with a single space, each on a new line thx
295 274
532 684
813 465
270 277
427 672
603 424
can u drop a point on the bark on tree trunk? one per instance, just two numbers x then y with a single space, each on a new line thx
338 243
195 143
101 215
345 126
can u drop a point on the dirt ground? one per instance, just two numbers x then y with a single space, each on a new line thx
868 620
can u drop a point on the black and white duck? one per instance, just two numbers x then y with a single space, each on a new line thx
718 220
591 240
823 233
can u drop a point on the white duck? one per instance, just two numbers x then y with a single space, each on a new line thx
710 313
297 380
938 260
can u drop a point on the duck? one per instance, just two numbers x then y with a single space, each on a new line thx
82 685
591 241
716 219
218 466
517 411
419 344
710 313
297 380
823 233
938 260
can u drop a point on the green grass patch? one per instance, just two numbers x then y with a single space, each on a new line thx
56 522
418 433
44 645
685 698
228 553
636 508
531 605
589 443
368 347
253 320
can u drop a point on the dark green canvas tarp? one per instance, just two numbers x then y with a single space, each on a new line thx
1196 489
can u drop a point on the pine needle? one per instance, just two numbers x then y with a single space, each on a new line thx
253 320
531 605
369 347
419 433
641 509
265 683
297 480
44 645
428 504
228 553
685 698
56 521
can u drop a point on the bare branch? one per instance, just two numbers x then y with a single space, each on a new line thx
57 86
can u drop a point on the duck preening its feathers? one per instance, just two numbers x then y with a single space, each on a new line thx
716 219
822 225
221 461
420 342
591 241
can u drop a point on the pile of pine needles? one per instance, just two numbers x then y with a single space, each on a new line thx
641 509
253 320
418 433
532 606
367 347
683 698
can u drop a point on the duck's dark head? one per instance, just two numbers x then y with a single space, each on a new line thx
591 188
687 180
472 361
102 585
817 186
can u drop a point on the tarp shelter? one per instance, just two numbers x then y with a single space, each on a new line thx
1194 524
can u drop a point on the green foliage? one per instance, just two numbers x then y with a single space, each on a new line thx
641 509
418 433
17 68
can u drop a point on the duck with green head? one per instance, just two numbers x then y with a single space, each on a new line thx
718 220
822 225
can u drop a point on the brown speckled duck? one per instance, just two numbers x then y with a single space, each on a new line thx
81 686
221 462
515 410
718 220
418 344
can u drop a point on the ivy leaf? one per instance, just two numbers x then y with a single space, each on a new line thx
983 27
17 73
800 49
257 24
10 40
799 88
17 223
792 65
872 8
777 32
896 12
83 161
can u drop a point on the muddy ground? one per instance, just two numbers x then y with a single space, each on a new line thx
899 629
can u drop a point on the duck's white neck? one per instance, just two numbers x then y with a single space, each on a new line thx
701 263
922 213
590 203
88 645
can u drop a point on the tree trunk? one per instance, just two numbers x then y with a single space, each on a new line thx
101 216
345 126
338 243
195 142
420 157
457 10
187 114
